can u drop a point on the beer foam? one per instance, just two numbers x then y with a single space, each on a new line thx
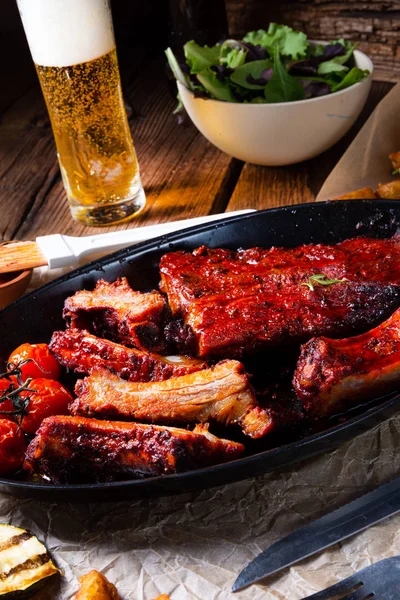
61 33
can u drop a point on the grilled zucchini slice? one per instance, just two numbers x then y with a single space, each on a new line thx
24 562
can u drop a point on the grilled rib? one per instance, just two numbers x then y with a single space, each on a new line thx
335 374
238 302
222 393
81 351
115 311
75 449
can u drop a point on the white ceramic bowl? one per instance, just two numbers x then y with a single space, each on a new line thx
282 133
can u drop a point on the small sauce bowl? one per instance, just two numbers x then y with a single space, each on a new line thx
13 285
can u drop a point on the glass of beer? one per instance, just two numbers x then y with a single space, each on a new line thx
73 47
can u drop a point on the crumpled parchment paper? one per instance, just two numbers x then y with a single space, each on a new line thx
193 546
365 163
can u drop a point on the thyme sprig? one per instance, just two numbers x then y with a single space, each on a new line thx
321 279
13 392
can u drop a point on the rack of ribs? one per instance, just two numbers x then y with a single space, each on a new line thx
336 374
81 351
237 302
74 449
115 311
221 393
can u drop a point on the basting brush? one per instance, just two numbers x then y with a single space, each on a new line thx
58 250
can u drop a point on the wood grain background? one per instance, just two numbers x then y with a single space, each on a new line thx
375 24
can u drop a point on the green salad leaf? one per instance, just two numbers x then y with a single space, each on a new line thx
290 43
218 89
179 106
294 44
176 69
349 50
235 58
330 66
256 37
353 76
246 73
338 63
277 64
232 54
282 87
315 50
200 57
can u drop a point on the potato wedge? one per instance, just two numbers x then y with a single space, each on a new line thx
390 191
362 194
94 586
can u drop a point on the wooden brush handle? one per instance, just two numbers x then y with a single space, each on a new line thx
19 256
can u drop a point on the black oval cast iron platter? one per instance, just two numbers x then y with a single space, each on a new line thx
34 318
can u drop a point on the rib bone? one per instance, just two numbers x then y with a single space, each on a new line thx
75 449
222 394
334 374
81 351
115 311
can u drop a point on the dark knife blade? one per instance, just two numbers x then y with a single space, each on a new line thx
322 533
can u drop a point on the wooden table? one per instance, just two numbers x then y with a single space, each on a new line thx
192 545
183 174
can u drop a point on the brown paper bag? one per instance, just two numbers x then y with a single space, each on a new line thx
365 163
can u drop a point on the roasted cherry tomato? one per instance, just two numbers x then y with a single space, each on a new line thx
4 385
6 405
45 365
49 398
12 447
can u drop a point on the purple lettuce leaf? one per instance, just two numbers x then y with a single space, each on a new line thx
309 66
222 71
313 89
332 51
263 79
255 52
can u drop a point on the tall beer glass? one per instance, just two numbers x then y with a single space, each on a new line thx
73 47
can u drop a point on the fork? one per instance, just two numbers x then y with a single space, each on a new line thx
380 580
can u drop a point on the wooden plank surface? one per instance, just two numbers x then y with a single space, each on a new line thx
183 174
27 159
267 187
